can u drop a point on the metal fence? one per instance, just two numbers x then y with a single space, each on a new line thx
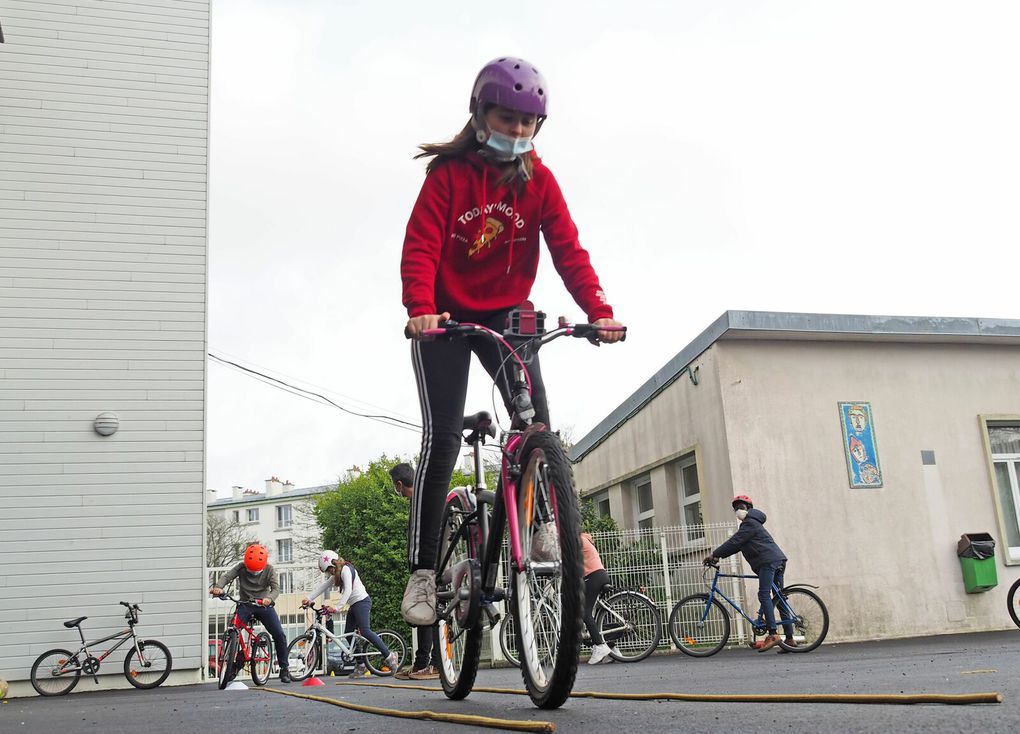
664 563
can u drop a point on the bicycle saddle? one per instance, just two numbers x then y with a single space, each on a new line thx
479 422
606 589
74 622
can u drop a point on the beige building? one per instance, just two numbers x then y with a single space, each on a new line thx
871 442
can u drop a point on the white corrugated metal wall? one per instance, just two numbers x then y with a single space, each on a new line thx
103 175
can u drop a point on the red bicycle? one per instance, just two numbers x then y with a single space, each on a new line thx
256 651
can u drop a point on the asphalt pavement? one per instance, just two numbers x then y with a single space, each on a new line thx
953 664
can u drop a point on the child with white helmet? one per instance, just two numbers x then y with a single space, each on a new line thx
471 253
342 575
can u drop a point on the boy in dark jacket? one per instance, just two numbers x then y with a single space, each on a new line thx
763 556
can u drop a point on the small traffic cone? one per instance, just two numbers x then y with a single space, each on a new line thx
236 686
313 681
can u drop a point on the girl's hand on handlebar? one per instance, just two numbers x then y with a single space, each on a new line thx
329 609
305 603
215 591
416 325
610 337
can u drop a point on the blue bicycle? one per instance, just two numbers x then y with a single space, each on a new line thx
700 626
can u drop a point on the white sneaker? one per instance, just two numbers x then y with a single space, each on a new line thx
598 654
545 544
419 604
393 662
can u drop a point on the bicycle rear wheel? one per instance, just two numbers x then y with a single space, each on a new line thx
55 673
261 665
630 625
547 596
458 633
378 664
228 659
698 628
508 641
151 668
303 656
809 615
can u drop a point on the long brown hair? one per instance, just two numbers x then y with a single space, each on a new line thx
338 567
464 143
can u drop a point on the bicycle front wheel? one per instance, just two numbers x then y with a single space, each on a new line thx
458 634
303 656
378 664
809 616
697 627
1013 602
228 659
55 673
508 641
261 665
547 596
630 625
151 667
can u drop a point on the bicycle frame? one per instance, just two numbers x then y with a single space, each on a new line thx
787 615
124 635
241 628
347 641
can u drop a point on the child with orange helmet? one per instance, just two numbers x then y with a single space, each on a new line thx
259 586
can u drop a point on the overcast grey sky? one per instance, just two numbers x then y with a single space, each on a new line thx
838 157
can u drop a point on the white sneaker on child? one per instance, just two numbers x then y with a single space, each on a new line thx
419 604
545 544
598 654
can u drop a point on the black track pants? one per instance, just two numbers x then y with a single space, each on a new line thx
441 372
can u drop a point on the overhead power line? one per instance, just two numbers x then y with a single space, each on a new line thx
388 420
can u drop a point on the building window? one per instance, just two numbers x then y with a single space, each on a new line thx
286 582
253 514
283 516
284 551
236 515
1004 441
645 515
689 492
600 502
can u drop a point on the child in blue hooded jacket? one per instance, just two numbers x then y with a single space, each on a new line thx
765 558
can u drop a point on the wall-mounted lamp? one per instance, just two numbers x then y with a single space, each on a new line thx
106 424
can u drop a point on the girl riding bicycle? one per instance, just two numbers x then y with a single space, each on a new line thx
471 253
595 577
342 575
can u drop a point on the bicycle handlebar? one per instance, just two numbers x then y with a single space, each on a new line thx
451 328
256 603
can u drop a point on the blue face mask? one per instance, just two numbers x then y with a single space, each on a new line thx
507 148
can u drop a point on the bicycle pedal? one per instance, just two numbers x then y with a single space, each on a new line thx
492 613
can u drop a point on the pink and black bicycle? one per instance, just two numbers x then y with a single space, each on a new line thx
535 500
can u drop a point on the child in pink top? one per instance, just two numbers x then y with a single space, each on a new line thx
595 577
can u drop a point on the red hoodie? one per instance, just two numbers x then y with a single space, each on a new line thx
458 261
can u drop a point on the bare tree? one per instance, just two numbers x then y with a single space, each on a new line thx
225 541
306 532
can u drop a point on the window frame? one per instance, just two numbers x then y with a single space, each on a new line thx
252 518
684 501
640 515
1010 555
279 550
280 525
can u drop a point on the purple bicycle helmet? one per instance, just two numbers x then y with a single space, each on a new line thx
512 83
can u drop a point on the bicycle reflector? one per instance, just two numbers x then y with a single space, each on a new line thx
525 321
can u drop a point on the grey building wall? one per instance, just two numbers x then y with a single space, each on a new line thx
103 176
763 421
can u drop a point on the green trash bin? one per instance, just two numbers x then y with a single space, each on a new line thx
977 561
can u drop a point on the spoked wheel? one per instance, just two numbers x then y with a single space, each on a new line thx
378 664
697 631
261 659
303 656
508 641
151 668
1013 602
631 626
810 619
458 633
228 659
546 600
55 673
